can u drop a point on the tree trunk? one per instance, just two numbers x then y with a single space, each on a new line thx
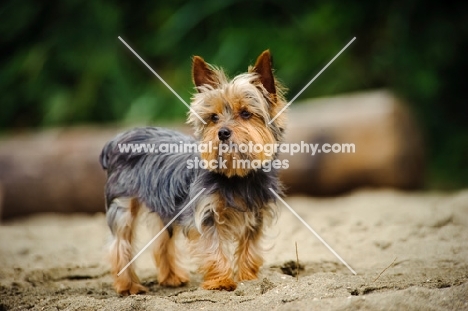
58 170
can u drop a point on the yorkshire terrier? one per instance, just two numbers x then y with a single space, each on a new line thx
237 202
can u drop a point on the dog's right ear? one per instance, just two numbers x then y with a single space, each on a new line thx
263 68
202 74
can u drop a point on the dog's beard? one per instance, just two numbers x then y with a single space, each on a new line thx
234 159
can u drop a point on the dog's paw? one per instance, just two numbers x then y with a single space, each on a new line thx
129 288
247 277
247 274
219 284
174 280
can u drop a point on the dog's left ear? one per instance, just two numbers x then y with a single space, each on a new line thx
202 74
263 68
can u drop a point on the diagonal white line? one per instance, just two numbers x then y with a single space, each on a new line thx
159 233
313 231
310 82
161 79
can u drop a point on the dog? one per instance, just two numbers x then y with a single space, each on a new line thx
224 202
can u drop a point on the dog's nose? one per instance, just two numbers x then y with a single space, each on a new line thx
224 133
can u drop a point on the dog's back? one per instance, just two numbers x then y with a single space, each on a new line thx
137 166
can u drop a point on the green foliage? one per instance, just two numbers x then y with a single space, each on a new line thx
62 64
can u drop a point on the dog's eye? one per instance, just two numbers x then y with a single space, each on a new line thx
214 118
245 114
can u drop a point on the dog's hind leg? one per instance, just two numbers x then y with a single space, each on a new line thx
170 272
121 217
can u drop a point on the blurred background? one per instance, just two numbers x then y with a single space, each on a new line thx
62 64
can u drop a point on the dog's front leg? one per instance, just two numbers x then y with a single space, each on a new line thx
249 257
215 265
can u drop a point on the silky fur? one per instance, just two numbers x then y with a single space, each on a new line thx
227 99
236 203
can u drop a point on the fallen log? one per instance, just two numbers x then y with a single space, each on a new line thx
388 145
52 171
57 170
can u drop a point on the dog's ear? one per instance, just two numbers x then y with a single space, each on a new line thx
202 74
263 68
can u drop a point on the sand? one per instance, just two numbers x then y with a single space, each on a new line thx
56 262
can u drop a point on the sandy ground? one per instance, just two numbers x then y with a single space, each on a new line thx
53 262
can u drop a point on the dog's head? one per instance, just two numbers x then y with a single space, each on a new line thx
233 118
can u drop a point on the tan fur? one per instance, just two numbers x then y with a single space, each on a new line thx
243 132
227 99
211 246
249 256
260 93
121 251
170 272
216 225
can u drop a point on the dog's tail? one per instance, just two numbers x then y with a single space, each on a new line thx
112 154
104 156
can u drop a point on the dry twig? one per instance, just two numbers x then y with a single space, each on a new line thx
378 276
297 264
